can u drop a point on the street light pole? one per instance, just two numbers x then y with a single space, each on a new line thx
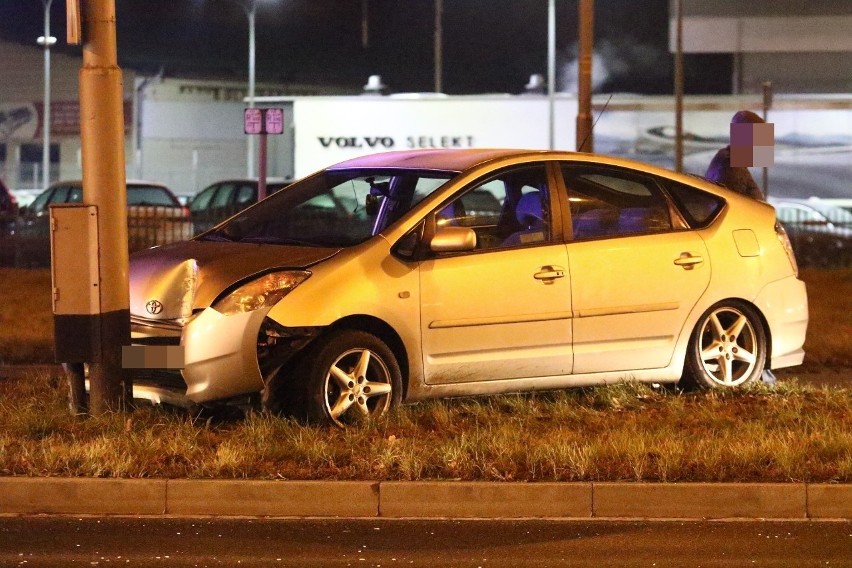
46 40
250 8
678 80
439 46
551 71
585 137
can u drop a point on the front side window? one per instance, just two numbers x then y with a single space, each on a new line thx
60 195
223 196
40 204
607 202
333 208
511 209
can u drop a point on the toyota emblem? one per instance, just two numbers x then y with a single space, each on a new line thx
154 307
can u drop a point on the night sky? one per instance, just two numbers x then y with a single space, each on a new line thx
489 46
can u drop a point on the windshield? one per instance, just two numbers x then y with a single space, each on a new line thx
334 208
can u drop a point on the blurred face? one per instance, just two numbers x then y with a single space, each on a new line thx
752 145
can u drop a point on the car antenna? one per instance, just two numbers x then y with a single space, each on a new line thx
600 114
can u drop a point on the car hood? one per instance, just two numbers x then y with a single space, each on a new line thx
172 281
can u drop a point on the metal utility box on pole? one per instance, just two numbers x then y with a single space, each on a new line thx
97 337
585 137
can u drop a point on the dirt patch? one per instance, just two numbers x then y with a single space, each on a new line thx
817 375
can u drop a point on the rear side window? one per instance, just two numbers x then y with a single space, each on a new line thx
202 199
246 194
150 195
609 202
698 208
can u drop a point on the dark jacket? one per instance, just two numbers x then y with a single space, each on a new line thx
737 179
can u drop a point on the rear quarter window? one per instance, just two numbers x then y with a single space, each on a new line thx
698 208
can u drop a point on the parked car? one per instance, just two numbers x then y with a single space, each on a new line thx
595 270
821 232
8 212
154 217
8 203
225 198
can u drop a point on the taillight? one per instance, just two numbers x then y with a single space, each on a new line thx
788 247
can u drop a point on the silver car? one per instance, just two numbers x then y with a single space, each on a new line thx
394 278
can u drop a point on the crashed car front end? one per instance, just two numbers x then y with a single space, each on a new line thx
202 326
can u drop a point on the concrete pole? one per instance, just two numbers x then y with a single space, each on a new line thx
102 137
585 138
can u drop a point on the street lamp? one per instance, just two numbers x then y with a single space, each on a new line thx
46 41
250 8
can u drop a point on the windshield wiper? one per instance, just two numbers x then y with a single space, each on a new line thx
215 237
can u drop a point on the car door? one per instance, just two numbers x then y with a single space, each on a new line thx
636 270
501 311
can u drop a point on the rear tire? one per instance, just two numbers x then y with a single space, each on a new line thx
348 376
727 348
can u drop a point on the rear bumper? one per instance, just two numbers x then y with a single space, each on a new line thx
784 303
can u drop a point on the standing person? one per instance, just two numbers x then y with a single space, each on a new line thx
729 167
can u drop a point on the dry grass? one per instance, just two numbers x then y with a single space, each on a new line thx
26 316
829 340
626 432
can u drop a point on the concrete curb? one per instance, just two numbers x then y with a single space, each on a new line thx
423 499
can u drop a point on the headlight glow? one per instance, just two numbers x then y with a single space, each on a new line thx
266 291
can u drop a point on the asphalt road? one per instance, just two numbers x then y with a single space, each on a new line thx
58 542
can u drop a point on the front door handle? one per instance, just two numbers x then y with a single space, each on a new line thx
550 273
688 260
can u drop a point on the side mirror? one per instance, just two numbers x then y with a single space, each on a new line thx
453 239
372 204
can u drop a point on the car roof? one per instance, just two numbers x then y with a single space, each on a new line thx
128 183
454 160
252 180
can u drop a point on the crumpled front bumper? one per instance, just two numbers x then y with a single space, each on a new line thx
220 354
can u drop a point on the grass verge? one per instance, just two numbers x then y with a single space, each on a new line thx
625 432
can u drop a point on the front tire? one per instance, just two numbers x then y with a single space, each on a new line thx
727 349
347 376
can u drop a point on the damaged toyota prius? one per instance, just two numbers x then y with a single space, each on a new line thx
403 276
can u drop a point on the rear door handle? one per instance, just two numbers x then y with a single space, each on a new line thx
688 260
550 273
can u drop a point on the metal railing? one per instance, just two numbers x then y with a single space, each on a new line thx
25 240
